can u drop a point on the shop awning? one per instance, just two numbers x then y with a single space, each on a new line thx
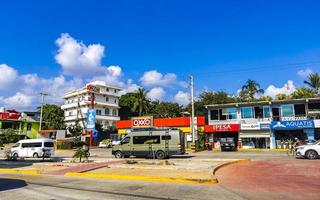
254 134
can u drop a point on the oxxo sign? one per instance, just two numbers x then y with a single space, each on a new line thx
142 122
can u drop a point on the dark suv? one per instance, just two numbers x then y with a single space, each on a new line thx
227 144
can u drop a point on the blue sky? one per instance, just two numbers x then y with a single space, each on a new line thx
221 43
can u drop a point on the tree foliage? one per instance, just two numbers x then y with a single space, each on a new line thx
302 93
253 88
141 102
166 109
52 117
313 82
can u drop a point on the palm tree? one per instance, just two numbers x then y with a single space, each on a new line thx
302 93
141 101
314 82
252 87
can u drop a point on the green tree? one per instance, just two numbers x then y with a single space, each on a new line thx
141 102
302 93
253 88
75 129
166 109
243 96
281 96
52 117
9 136
126 103
313 82
209 98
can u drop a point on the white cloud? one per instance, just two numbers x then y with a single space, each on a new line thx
18 100
288 88
156 93
78 59
154 78
304 73
182 98
8 77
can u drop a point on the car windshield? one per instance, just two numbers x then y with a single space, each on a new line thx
16 145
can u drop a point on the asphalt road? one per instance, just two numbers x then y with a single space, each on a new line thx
43 187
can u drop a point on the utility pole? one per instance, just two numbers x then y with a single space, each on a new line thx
192 109
41 110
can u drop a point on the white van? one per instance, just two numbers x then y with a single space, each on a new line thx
32 148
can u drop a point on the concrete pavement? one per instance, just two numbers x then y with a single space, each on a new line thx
58 187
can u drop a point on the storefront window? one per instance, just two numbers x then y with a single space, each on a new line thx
266 111
246 113
287 110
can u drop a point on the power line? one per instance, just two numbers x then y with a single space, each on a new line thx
236 70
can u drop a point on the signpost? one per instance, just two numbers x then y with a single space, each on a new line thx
92 89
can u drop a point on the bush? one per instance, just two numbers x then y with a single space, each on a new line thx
78 144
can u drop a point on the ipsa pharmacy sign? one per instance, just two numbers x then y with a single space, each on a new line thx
292 124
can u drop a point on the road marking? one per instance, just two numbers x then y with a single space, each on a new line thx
144 178
19 171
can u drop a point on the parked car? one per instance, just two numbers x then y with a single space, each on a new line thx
227 144
115 142
35 148
311 151
104 144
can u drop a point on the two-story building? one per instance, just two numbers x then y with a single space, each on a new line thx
265 124
106 104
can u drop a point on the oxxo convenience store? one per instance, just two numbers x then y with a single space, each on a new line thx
182 123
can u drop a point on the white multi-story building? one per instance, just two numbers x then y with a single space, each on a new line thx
106 104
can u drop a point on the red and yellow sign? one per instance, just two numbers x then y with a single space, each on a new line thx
142 122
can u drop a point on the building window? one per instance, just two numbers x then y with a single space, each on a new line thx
114 112
107 111
231 113
29 127
299 110
98 112
115 100
70 113
246 113
214 114
266 111
287 110
107 89
107 99
115 91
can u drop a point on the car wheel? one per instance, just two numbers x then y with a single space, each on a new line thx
15 156
160 155
35 155
311 154
118 154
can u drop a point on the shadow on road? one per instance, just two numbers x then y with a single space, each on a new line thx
10 184
9 164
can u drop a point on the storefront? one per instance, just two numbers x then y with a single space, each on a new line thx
182 123
284 132
217 131
255 135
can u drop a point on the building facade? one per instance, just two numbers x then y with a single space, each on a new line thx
25 125
181 123
106 104
265 124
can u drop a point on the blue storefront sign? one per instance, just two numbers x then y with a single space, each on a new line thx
264 126
91 119
292 124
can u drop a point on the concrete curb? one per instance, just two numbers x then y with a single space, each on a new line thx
229 163
144 178
19 171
